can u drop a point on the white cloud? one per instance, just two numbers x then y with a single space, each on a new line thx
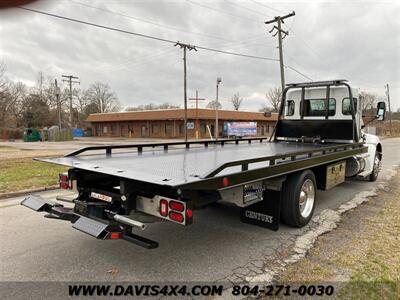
357 40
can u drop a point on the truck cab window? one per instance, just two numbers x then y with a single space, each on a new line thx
346 109
289 108
316 107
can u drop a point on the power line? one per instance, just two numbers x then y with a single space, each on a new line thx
152 37
237 54
96 25
221 11
246 8
142 35
151 22
269 7
134 63
298 72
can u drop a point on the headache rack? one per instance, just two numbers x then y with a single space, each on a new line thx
317 83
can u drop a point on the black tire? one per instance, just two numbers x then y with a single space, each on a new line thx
290 208
375 171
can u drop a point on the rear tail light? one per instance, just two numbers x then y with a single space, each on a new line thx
115 235
178 206
176 216
64 181
175 210
164 207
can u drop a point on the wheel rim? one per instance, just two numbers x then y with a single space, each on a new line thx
377 165
306 198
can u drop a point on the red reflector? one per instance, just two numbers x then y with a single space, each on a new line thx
178 206
63 177
225 181
115 235
64 185
189 213
176 216
64 181
163 207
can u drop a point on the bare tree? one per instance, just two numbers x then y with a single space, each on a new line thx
274 98
101 95
152 106
11 97
236 101
213 104
368 101
3 79
18 93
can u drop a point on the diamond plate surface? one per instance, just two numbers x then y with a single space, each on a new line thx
89 226
33 202
179 166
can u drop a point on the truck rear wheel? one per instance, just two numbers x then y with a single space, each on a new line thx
298 199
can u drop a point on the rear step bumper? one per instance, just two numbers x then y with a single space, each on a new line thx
95 228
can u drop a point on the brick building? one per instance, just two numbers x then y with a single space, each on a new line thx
169 123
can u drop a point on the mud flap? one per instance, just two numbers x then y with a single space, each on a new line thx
265 213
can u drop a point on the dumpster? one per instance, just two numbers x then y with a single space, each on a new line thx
32 135
78 132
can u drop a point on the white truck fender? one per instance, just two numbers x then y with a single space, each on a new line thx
374 145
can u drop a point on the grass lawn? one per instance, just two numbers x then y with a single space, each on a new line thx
362 255
24 173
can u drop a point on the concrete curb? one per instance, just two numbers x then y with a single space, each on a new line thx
23 192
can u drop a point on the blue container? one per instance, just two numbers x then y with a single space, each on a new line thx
78 132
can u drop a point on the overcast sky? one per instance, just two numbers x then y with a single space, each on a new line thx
354 40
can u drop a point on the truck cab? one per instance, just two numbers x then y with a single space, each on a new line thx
329 112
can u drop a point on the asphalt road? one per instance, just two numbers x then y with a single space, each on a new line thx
34 248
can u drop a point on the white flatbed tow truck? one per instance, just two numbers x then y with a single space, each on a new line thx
317 143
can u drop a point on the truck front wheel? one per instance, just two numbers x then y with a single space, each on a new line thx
298 199
376 169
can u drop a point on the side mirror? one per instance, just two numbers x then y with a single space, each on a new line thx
380 111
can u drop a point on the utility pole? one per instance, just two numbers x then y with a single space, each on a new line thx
70 81
216 131
390 111
58 103
279 32
185 47
197 112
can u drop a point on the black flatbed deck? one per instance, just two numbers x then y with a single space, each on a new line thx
183 166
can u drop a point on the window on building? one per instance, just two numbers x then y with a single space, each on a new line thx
203 128
346 107
289 108
113 129
316 107
181 128
99 130
130 129
168 129
105 130
155 128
